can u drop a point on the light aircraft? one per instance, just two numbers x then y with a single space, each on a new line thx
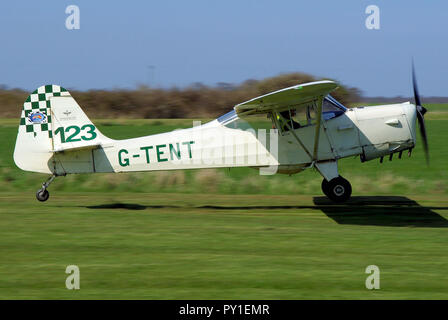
311 130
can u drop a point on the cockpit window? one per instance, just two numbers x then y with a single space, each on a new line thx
296 117
233 121
331 108
227 117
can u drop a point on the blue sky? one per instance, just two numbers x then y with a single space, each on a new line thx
224 41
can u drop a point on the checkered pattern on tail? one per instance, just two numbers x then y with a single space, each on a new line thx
39 102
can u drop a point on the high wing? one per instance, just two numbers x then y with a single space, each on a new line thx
284 99
299 96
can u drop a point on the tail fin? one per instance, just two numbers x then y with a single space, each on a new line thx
52 122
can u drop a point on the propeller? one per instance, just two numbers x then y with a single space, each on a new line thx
420 114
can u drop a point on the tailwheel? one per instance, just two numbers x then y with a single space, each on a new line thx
337 189
42 195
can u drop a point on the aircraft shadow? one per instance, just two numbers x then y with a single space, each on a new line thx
129 206
394 211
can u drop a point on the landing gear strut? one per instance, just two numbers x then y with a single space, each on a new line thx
43 194
337 189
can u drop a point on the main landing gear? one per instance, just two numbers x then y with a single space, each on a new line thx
337 189
43 194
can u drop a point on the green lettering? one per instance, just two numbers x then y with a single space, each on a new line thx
71 138
60 131
173 150
159 153
91 131
189 143
146 149
123 162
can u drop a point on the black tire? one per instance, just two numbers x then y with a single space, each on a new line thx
324 187
339 190
42 195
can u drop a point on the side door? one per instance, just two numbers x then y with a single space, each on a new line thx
303 123
341 129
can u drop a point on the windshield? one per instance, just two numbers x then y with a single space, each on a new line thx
331 108
227 117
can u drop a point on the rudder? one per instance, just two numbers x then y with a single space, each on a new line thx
51 122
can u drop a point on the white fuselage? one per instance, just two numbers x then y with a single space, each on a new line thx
370 132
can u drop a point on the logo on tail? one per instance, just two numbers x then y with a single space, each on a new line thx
36 115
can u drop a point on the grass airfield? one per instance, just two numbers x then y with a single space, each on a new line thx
219 234
178 246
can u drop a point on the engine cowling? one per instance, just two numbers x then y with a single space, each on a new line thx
385 129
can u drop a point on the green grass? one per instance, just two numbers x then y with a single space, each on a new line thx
219 234
175 246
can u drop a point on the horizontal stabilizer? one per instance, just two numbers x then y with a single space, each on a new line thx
85 147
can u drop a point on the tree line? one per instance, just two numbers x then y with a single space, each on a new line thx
194 101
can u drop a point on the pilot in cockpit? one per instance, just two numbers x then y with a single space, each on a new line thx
286 117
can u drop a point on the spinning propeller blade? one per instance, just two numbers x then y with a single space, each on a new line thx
420 114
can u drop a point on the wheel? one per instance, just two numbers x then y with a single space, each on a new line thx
42 195
324 187
338 189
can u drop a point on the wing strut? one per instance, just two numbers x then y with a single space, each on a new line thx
296 137
318 107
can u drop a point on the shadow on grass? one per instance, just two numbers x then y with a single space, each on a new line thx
128 206
394 211
131 206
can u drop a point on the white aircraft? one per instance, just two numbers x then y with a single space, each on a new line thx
312 130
